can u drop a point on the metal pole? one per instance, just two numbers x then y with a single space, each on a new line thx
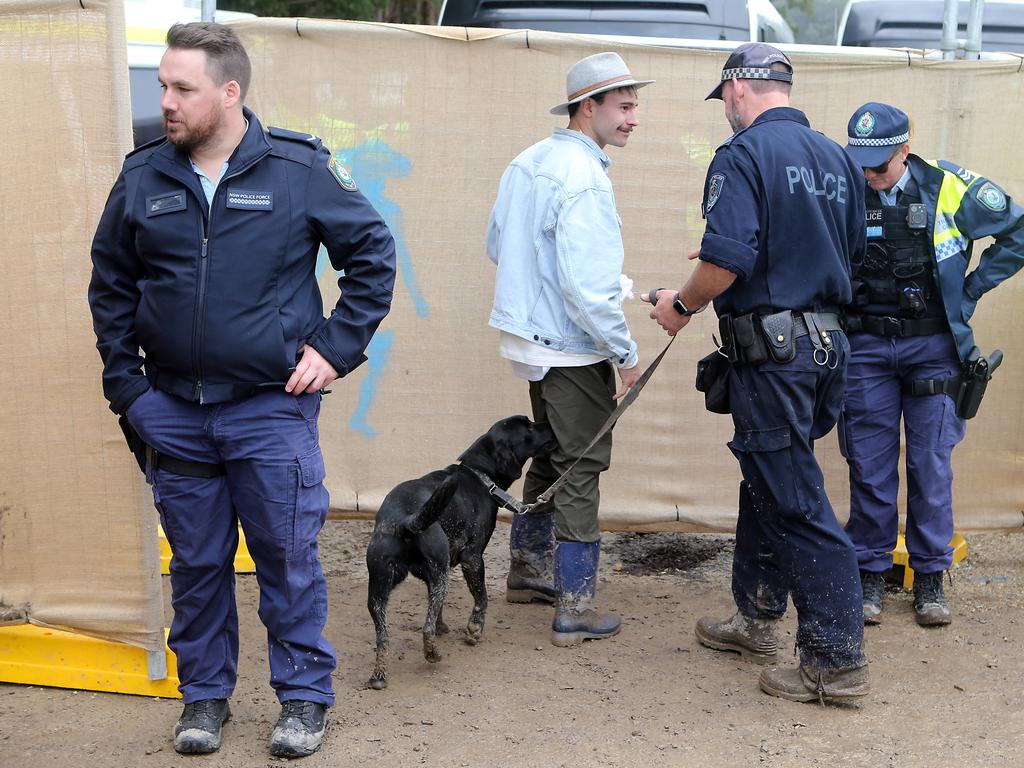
209 9
975 21
948 45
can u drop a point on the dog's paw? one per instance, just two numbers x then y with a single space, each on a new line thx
432 655
377 683
474 632
442 628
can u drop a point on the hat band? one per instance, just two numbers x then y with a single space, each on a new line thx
595 86
891 141
756 73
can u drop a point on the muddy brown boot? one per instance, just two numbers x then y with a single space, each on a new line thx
873 586
832 686
930 606
753 639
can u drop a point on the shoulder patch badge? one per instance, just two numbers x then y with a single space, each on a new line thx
341 174
865 124
992 197
715 184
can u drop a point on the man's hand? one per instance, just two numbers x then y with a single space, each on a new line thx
312 372
629 377
665 314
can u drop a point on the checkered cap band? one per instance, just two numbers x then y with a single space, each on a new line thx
756 73
889 141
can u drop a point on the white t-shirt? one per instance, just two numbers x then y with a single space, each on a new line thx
532 361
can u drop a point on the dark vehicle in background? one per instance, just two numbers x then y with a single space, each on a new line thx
918 24
746 20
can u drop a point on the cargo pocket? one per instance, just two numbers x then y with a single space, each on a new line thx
310 505
765 455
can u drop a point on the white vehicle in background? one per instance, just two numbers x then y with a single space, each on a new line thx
146 23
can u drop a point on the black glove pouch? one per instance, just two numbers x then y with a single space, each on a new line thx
778 332
713 381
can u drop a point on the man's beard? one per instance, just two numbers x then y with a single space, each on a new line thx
735 122
192 136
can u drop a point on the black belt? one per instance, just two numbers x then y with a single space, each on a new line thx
200 469
827 321
896 326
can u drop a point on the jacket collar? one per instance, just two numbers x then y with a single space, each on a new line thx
253 146
591 145
781 113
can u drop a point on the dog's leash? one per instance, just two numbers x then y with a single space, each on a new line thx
511 503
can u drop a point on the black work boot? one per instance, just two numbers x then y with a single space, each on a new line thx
930 604
531 559
873 586
832 686
198 730
299 730
753 639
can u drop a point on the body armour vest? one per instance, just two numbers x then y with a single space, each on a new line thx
898 274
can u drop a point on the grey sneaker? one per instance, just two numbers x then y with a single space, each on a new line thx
299 730
930 604
873 586
753 639
198 730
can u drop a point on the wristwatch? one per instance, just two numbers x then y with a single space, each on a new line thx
678 306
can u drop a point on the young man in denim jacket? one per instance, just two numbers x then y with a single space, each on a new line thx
554 235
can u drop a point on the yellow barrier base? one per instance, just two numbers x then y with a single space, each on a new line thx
33 655
901 559
243 560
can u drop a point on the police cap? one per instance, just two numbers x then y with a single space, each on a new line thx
753 61
874 132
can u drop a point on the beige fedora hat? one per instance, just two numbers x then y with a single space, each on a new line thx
593 75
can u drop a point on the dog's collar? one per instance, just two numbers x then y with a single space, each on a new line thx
506 500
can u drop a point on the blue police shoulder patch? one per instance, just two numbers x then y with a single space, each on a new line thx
715 184
991 197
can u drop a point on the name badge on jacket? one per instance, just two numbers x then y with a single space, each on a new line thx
166 203
248 200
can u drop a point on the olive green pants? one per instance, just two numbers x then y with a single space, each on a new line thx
576 402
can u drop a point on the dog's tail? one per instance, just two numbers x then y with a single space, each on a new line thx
428 514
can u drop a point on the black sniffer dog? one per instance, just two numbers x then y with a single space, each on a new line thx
429 525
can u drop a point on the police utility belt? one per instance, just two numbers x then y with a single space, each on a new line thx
754 338
145 453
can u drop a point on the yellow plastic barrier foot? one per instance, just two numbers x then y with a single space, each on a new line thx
243 560
33 655
901 559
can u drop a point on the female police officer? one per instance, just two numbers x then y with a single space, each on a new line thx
909 337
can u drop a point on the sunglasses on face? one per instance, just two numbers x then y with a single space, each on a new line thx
879 169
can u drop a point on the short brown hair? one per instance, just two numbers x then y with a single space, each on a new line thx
226 58
599 98
764 86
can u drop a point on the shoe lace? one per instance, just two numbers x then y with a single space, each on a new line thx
930 590
303 711
197 710
874 587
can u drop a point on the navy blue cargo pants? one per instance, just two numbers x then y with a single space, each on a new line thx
788 541
869 435
269 445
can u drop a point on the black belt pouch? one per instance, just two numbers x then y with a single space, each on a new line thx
778 332
713 381
749 340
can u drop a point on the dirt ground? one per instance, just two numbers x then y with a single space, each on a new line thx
650 697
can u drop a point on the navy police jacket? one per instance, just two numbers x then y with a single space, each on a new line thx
963 207
221 299
785 212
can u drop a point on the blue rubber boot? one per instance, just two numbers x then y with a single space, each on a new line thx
532 562
576 617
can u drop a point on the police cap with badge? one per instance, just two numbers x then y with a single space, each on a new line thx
874 133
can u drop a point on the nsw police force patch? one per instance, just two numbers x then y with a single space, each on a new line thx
715 184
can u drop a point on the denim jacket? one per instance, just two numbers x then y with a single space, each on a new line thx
555 237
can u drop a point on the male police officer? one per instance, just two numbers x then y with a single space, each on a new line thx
554 235
783 210
909 340
205 259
